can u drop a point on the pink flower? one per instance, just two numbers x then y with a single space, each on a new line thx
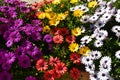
48 1
53 61
58 39
75 57
49 75
41 65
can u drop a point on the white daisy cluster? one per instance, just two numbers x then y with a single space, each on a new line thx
116 30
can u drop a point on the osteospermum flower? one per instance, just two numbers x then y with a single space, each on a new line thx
75 57
86 60
4 75
73 47
94 76
90 68
61 68
76 31
48 38
73 1
117 54
75 73
46 29
92 4
58 39
84 50
78 13
70 39
54 61
49 75
41 65
102 75
95 55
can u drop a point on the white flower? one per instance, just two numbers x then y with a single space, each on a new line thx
90 68
100 23
85 18
102 75
94 76
98 43
106 17
72 9
117 54
85 39
101 35
116 28
86 60
100 10
95 55
93 18
117 18
118 34
105 60
105 68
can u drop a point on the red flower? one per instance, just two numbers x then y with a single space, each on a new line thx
64 31
56 74
41 65
53 61
49 75
56 31
75 73
61 68
70 39
75 57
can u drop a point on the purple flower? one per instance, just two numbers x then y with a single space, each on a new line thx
10 57
4 8
9 43
36 36
4 20
24 61
12 14
1 56
5 76
36 22
30 78
37 55
18 22
3 28
24 9
6 66
47 38
15 36
20 51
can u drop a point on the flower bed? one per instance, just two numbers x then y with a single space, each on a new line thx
59 40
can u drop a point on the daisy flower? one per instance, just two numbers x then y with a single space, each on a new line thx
75 57
117 54
70 39
93 18
73 47
116 28
100 23
85 39
41 65
85 18
105 68
76 31
58 39
61 68
92 4
90 68
86 60
84 50
98 43
94 76
102 75
49 75
106 60
78 13
54 61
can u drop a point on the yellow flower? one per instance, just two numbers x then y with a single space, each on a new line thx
46 29
61 16
41 15
51 15
92 4
73 1
76 31
48 10
54 22
56 1
84 50
78 13
73 47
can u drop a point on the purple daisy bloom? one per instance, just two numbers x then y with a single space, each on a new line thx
47 38
36 36
15 36
1 56
5 76
10 57
4 20
30 78
12 14
19 52
18 22
36 22
4 8
9 43
6 66
24 9
24 61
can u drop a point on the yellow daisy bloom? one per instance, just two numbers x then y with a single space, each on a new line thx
76 31
61 16
78 13
84 50
92 4
56 1
46 29
48 10
41 16
54 22
73 1
73 47
51 15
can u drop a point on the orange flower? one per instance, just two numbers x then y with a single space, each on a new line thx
75 57
58 39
